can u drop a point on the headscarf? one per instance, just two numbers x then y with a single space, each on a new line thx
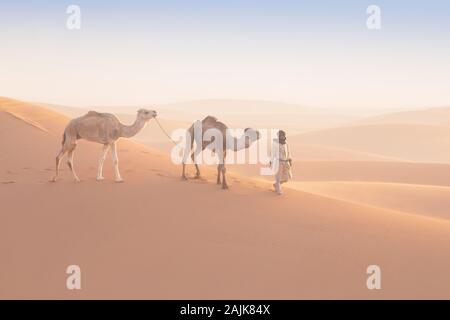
281 137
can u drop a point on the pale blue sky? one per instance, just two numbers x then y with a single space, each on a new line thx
317 53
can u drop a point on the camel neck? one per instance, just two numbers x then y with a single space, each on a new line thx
131 131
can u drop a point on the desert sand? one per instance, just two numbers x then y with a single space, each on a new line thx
156 237
426 200
361 171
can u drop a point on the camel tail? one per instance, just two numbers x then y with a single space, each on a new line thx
63 139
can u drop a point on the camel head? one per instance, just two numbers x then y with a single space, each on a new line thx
252 135
146 115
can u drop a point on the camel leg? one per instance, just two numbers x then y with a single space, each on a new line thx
70 163
59 157
197 173
224 170
116 162
183 175
219 172
101 161
186 154
224 181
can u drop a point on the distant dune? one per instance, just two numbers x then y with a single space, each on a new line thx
410 142
156 237
431 116
315 152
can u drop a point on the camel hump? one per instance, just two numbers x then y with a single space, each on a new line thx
98 114
93 113
210 119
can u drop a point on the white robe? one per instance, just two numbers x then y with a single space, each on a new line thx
280 155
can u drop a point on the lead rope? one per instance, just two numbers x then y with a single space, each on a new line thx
165 132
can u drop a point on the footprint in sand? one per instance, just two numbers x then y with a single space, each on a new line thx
164 174
159 172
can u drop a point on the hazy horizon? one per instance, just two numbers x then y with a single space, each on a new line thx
196 106
151 52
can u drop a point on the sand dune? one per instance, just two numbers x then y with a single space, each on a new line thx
431 116
314 152
425 143
433 201
157 237
33 114
398 172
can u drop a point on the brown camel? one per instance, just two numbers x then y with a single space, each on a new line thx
102 128
210 122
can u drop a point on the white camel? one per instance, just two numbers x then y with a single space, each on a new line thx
102 128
